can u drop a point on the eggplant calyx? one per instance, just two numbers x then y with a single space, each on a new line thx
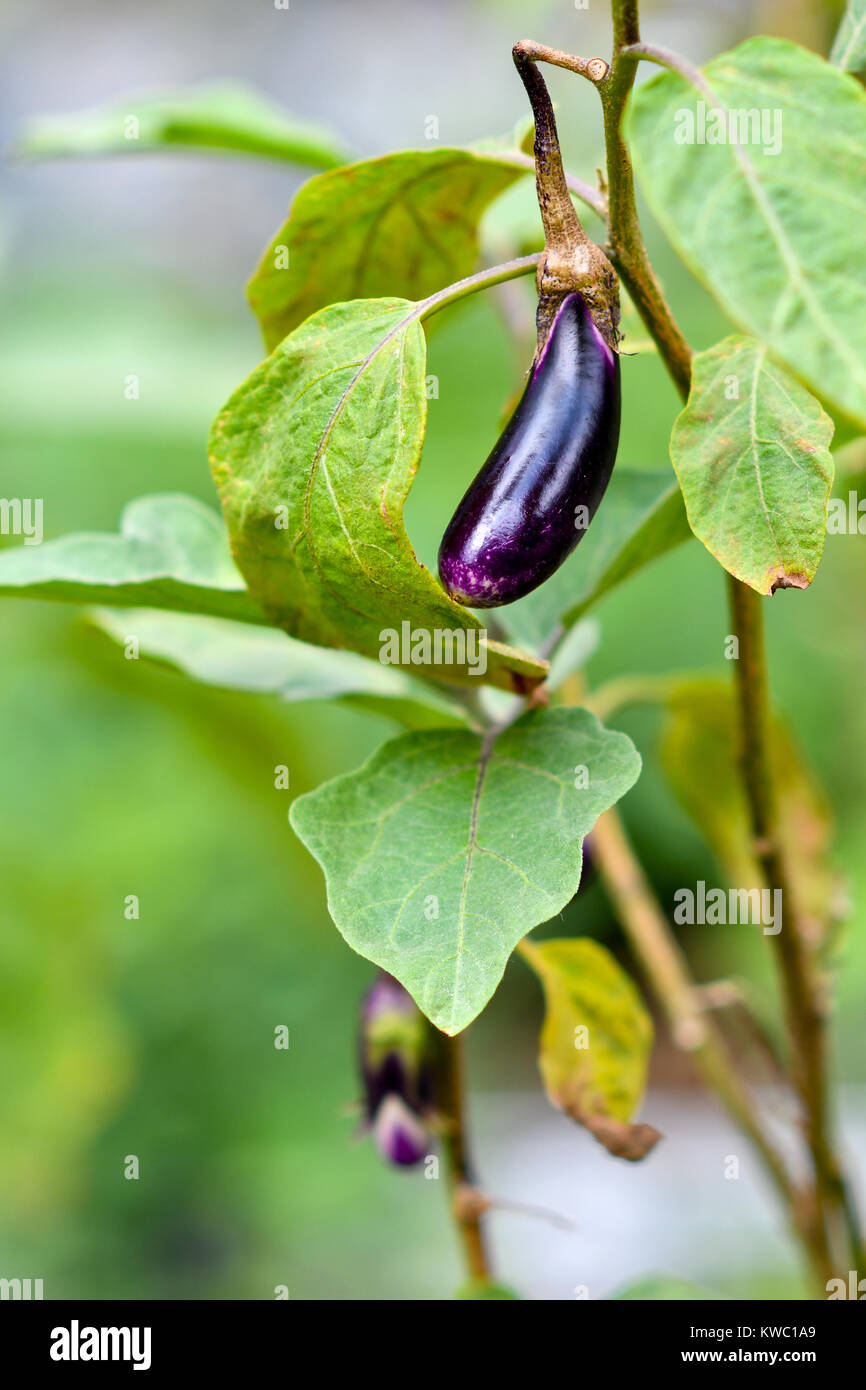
588 272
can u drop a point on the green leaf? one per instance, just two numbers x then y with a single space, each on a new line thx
441 852
751 451
171 552
226 118
314 456
642 517
699 753
595 1043
404 225
849 45
264 661
775 236
658 1288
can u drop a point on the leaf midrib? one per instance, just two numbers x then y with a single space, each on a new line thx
786 251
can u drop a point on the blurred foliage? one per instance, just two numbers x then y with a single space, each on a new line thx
154 1036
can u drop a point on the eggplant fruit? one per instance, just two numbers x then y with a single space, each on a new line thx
541 486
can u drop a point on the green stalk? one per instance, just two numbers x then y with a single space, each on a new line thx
466 1205
802 989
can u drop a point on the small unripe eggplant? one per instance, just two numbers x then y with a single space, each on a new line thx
542 484
396 1072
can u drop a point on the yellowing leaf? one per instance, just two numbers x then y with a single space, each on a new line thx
404 225
595 1042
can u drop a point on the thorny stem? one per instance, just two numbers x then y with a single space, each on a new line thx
682 1001
466 1206
734 996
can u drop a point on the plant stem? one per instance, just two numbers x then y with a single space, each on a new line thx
562 229
665 967
674 62
594 200
827 1223
626 247
461 1191
593 69
804 1003
481 280
570 262
804 989
800 973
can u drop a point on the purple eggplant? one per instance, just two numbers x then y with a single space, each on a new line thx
541 486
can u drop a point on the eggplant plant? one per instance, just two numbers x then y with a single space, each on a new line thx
469 829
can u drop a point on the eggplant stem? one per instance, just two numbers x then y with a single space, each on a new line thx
571 261
562 229
830 1199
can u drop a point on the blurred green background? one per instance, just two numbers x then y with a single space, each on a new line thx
155 1037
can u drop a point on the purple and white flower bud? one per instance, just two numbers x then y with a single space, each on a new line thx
400 1135
396 1072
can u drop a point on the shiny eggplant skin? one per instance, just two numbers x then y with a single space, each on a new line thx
520 517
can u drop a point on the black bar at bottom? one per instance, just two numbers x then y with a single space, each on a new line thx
83 1339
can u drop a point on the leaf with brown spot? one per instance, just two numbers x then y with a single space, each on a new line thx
751 451
623 1140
